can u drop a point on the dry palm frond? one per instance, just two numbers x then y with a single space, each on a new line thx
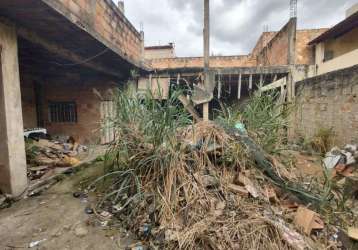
166 172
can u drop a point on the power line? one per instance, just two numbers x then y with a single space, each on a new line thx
84 61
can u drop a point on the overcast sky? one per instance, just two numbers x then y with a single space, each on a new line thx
235 24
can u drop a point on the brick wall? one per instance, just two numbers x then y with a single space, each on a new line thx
264 39
328 101
276 51
304 52
193 62
87 128
103 19
270 50
28 103
158 52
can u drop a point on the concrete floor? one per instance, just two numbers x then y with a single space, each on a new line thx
59 218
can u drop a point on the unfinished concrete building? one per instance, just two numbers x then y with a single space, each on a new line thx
315 68
275 56
59 61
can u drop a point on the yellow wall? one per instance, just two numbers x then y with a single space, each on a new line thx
341 62
345 52
343 44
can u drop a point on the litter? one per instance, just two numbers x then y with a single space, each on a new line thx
237 189
331 160
308 220
353 233
36 243
337 155
89 210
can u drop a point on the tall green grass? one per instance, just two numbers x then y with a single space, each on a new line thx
264 117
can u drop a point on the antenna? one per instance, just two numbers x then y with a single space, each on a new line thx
293 8
141 26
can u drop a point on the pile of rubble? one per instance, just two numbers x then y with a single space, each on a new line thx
219 190
46 157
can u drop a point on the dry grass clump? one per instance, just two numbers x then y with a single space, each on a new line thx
170 181
323 140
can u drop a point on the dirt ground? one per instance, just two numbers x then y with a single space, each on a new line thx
57 218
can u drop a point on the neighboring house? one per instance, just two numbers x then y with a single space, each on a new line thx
337 48
329 101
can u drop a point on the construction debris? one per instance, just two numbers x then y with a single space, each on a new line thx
353 233
46 156
5 201
211 185
36 243
308 220
341 158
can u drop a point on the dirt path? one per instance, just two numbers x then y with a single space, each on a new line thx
59 219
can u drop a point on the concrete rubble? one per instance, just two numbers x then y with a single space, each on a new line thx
46 156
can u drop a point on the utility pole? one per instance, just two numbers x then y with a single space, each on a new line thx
206 55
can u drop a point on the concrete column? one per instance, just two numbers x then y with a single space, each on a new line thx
206 111
291 57
250 82
261 83
261 80
206 37
208 84
239 87
219 87
292 32
142 55
13 179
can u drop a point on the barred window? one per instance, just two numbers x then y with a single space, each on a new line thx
62 112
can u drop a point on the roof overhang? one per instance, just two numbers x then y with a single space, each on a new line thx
39 24
338 30
227 71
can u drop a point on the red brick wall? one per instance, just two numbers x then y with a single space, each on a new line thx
80 92
270 50
276 51
264 39
28 103
192 62
304 52
87 128
103 18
